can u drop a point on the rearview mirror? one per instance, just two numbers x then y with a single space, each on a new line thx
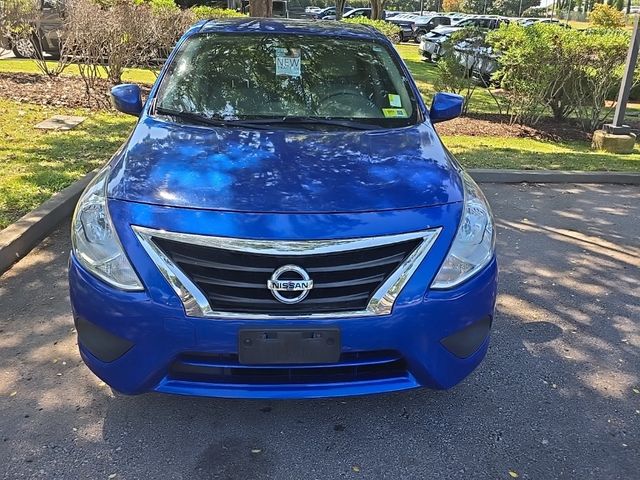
445 106
126 98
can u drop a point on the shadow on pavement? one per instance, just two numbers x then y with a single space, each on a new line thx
553 399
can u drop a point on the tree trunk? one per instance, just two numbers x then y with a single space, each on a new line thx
339 8
261 8
377 9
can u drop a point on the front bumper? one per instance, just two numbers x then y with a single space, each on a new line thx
155 337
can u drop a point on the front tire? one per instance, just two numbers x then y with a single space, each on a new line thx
24 48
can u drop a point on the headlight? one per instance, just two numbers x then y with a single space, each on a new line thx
94 239
474 244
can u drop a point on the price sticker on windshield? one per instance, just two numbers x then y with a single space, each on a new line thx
394 113
288 62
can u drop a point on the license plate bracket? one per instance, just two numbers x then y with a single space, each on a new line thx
288 346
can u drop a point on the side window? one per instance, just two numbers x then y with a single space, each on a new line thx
445 21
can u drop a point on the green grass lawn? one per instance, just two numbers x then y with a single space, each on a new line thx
35 164
529 154
24 65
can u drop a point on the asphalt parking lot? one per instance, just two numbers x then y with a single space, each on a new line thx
557 397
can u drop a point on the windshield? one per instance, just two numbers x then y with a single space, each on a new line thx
254 76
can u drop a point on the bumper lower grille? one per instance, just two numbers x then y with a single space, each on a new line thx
225 369
236 281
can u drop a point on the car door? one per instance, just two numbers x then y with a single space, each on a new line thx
51 25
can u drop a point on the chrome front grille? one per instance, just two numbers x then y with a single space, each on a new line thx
218 276
237 281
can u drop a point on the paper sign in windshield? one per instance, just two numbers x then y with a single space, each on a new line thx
288 62
394 112
395 100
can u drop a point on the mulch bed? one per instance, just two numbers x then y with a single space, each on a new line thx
496 125
65 91
69 92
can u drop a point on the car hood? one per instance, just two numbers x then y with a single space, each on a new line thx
237 169
445 30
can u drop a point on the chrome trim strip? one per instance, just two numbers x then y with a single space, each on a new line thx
196 303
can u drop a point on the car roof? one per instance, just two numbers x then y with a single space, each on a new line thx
329 28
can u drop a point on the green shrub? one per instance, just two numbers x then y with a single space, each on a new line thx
455 69
534 69
391 31
606 16
204 12
157 5
565 70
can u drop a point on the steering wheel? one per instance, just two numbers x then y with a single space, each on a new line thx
362 105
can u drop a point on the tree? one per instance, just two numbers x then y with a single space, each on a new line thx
619 5
377 9
606 16
261 8
451 5
476 6
513 7
339 8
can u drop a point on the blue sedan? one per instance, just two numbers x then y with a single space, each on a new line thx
283 222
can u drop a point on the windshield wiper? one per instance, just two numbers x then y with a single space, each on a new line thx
261 123
202 119
310 121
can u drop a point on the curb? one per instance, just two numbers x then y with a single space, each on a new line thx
487 175
21 237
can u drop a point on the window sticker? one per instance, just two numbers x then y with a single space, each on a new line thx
394 112
288 62
394 100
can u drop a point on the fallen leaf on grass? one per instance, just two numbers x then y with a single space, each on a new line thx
635 390
513 474
356 469
256 450
13 394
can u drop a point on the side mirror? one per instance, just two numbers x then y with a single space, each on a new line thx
126 98
445 106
